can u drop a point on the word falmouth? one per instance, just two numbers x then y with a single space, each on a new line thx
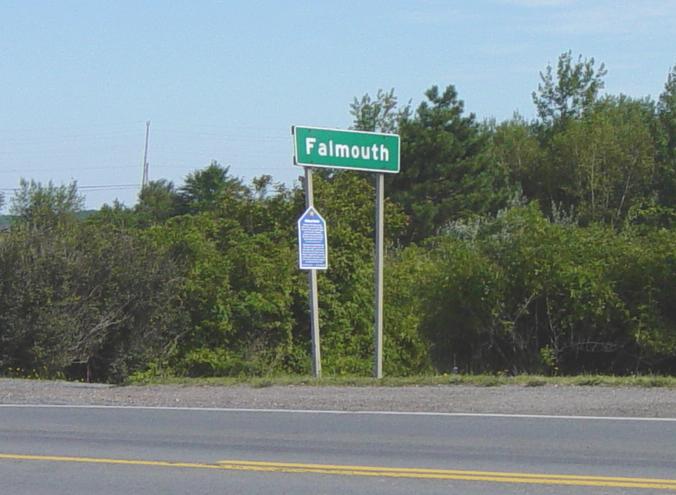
373 152
352 150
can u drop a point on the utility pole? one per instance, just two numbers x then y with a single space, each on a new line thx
144 182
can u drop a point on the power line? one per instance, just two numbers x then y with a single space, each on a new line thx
70 169
99 187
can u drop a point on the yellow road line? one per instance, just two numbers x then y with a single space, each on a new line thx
372 471
439 471
104 460
451 474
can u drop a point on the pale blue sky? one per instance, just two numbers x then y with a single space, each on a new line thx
225 80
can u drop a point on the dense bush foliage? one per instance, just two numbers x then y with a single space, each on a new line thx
545 246
523 294
84 302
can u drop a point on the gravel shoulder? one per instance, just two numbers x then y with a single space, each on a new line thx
508 399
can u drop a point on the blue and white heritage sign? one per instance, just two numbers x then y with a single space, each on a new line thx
312 245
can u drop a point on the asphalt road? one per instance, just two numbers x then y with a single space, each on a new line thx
71 450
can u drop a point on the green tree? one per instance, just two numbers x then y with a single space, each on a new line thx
520 292
117 215
46 206
124 301
515 148
208 188
460 309
569 92
237 256
157 202
666 109
406 349
605 161
446 173
84 301
379 114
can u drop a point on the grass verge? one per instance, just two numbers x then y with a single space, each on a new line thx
644 381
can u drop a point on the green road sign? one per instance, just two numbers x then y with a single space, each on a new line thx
353 150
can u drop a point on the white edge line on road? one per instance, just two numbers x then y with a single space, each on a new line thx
338 412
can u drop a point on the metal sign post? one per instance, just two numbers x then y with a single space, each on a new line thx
313 294
379 255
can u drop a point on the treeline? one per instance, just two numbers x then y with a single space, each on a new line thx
542 246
